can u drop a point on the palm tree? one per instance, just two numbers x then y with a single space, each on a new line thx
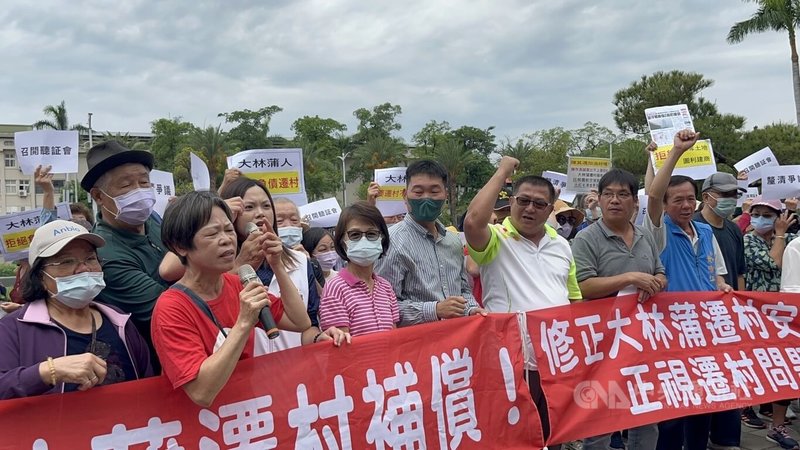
59 119
455 158
125 139
377 152
776 15
212 143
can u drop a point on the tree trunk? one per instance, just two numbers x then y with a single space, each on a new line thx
795 74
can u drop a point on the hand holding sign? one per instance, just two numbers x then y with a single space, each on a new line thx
373 191
684 140
43 179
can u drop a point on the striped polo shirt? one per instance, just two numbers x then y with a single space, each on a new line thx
346 302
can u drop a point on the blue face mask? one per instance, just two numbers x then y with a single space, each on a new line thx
364 252
763 224
290 236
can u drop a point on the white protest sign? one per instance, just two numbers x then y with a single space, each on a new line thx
17 232
753 164
63 211
559 180
390 199
55 148
322 213
697 163
280 169
666 121
201 180
643 199
749 195
779 182
584 174
164 187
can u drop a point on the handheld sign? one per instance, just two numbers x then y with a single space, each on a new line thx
17 232
392 182
201 180
753 164
779 182
559 180
584 174
665 122
55 148
281 171
322 213
164 187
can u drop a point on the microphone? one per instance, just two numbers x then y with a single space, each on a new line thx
251 228
248 275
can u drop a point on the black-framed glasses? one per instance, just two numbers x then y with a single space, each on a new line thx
622 196
72 264
524 202
355 235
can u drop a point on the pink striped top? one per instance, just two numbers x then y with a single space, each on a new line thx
347 303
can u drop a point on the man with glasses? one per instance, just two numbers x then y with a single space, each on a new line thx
604 257
524 264
693 262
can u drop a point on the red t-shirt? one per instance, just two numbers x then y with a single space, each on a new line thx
184 336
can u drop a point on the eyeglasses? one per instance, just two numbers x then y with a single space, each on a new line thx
620 195
524 202
355 235
72 264
564 219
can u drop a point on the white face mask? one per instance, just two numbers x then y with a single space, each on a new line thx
135 207
565 230
77 291
364 252
291 236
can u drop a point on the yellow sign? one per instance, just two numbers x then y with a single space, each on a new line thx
390 193
699 155
19 241
591 163
278 182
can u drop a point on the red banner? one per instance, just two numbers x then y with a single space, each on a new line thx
452 384
613 364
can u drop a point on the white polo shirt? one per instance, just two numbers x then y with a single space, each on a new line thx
519 276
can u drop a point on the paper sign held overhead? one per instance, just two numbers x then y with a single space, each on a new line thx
392 182
584 174
164 187
55 148
323 213
201 180
697 163
281 171
753 164
666 121
779 182
559 180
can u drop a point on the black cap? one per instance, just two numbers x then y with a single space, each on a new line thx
108 155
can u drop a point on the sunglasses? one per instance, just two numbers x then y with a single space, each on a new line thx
524 202
564 219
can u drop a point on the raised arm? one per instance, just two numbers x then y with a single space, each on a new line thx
684 140
480 209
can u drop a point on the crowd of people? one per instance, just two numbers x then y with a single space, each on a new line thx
141 295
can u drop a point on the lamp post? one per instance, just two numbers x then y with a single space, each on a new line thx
94 207
344 156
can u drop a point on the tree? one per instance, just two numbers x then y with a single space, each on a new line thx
59 120
252 127
775 15
475 139
321 133
182 170
781 138
455 158
125 139
378 152
426 139
381 121
212 143
169 137
321 174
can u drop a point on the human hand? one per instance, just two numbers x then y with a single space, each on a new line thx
783 222
9 307
508 165
252 299
236 205
272 247
252 250
373 191
651 147
662 284
741 176
451 307
791 204
85 369
336 335
43 179
477 311
230 175
645 282
724 287
746 205
684 140
591 201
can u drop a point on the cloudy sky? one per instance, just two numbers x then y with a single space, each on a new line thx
517 65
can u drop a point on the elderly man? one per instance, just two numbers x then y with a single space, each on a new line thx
118 180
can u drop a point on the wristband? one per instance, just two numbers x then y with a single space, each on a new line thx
316 338
52 366
780 237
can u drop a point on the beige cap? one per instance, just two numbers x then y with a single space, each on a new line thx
49 239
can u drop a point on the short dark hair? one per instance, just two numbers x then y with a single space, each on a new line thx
620 177
366 212
677 180
311 238
32 283
426 167
80 208
185 216
536 180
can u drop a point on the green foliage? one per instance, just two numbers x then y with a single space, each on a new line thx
170 135
772 15
379 122
212 143
377 152
181 172
58 119
8 269
455 158
252 127
781 138
124 139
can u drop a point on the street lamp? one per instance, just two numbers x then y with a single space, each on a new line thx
611 147
344 156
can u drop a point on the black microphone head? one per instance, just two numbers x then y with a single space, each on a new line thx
251 228
247 274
